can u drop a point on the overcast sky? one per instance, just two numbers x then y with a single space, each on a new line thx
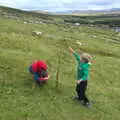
60 5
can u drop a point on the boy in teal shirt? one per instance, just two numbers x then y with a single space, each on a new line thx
82 75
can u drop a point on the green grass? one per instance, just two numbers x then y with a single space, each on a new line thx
18 49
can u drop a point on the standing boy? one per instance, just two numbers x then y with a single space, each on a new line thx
83 61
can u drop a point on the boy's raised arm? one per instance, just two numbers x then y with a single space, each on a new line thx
77 56
71 50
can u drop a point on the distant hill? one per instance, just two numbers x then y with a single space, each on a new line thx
7 11
109 18
86 11
115 9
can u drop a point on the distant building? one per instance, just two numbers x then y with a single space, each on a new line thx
117 29
77 24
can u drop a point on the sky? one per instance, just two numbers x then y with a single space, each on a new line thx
61 5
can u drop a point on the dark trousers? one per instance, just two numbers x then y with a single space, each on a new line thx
81 89
36 76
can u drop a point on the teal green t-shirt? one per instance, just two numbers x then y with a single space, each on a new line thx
82 68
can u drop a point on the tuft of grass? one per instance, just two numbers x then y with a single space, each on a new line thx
18 48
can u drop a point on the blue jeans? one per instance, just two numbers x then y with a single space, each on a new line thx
36 76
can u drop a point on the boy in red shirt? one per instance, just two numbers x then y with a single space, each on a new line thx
39 71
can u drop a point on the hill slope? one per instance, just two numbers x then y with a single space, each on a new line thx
20 100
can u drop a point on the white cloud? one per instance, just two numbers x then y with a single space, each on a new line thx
13 3
59 5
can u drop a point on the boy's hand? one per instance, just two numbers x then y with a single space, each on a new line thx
78 81
46 78
71 50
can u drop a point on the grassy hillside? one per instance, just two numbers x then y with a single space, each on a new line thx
19 13
21 100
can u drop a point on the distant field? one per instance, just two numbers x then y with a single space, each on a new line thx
94 13
111 19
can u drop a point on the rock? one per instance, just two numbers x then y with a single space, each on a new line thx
38 33
25 22
91 25
94 36
41 22
79 43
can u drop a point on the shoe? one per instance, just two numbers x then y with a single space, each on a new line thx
88 105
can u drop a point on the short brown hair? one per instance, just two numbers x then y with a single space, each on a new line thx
86 57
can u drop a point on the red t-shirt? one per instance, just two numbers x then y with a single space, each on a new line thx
38 66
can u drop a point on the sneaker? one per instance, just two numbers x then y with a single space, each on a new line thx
88 105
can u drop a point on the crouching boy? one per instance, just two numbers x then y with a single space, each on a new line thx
39 71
